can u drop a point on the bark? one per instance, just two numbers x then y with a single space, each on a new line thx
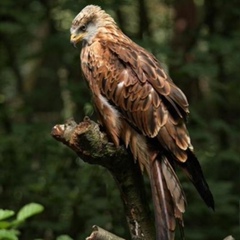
93 147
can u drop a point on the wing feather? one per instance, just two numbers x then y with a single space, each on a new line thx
146 96
135 83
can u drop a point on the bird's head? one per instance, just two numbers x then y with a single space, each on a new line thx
88 23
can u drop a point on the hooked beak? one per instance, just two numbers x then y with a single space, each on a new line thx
76 38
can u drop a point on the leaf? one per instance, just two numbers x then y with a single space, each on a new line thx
8 235
6 214
29 210
5 224
64 237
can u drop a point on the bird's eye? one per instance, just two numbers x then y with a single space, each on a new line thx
82 28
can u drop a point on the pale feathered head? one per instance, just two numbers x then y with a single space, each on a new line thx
88 23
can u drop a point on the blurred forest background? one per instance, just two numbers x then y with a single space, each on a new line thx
41 85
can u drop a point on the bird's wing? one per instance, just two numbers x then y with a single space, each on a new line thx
141 90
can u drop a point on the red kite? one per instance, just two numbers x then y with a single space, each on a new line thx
139 105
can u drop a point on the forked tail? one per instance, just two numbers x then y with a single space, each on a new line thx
194 171
168 198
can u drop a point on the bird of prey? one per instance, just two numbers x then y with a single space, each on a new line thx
140 106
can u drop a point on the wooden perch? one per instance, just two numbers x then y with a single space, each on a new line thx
101 234
93 147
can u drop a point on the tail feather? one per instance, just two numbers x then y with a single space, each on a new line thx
194 171
174 187
168 198
164 216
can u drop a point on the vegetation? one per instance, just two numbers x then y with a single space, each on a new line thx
41 85
8 228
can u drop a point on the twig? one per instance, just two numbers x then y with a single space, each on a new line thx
101 234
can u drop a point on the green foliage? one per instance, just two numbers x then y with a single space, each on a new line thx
8 228
8 234
63 237
5 214
27 211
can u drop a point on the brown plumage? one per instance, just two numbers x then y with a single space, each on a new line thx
139 105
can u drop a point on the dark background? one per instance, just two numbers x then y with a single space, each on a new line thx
41 85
